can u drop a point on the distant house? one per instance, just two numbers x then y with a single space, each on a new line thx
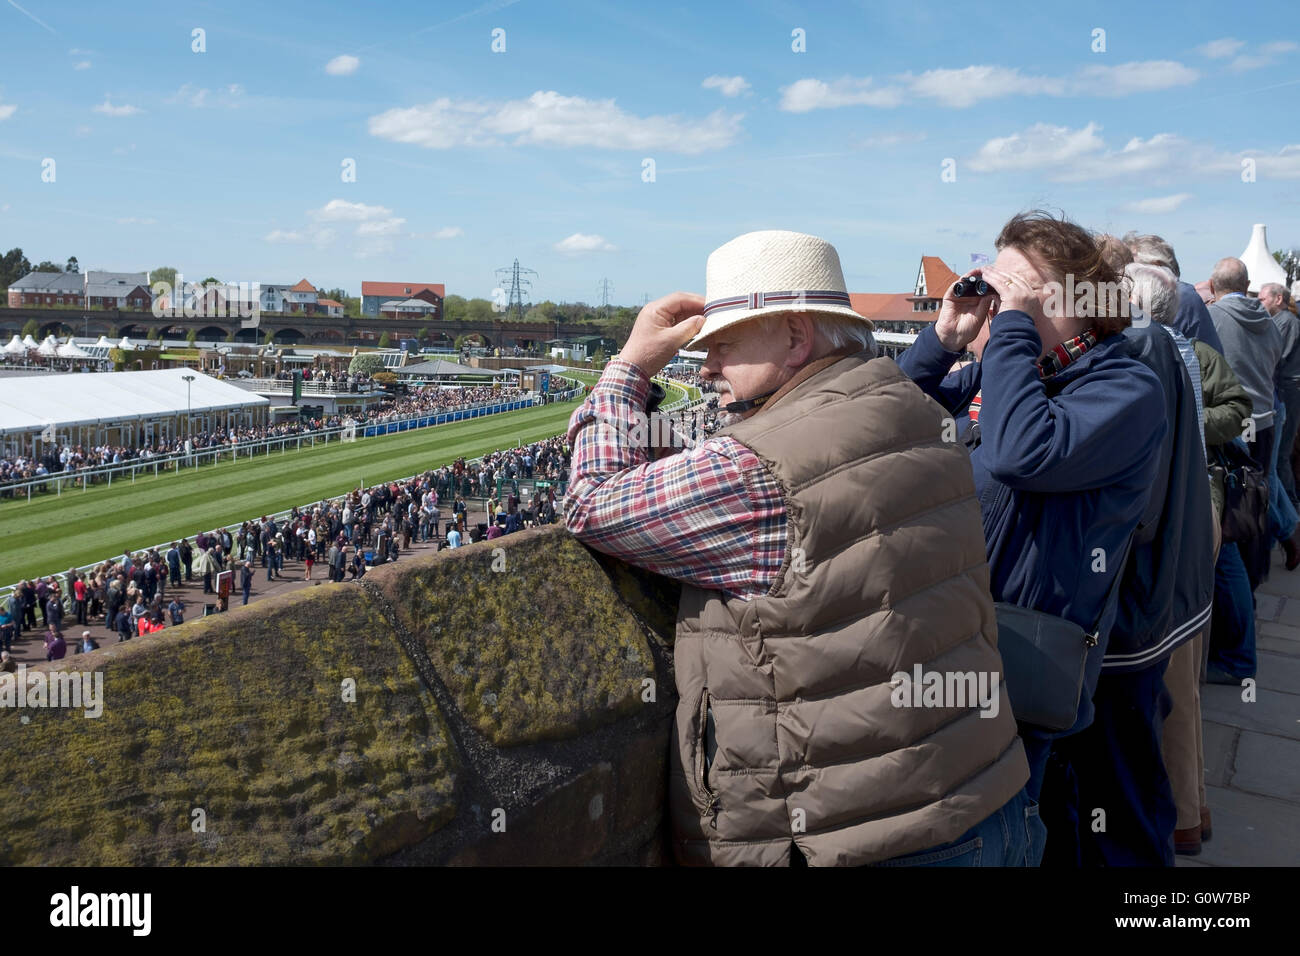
48 288
408 309
301 298
375 295
273 297
330 307
908 311
933 280
118 290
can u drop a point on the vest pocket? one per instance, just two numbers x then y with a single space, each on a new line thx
704 752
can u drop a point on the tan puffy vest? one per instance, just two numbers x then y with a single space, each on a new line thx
884 568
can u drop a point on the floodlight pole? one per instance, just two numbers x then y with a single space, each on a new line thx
189 423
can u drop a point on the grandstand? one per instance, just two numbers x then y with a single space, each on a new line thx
125 408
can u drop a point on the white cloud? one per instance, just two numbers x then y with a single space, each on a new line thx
965 87
1042 145
1264 56
381 227
1127 78
805 95
962 88
549 119
200 97
1138 77
449 232
135 221
727 85
1219 49
580 243
284 235
1063 154
83 65
340 210
7 110
1158 204
343 65
79 52
108 109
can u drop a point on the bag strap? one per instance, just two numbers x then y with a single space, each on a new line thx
1094 636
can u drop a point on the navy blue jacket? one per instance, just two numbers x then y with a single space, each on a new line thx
1168 584
1193 318
1063 468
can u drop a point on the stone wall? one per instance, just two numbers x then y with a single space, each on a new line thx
506 703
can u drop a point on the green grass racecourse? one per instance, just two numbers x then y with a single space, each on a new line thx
53 533
673 393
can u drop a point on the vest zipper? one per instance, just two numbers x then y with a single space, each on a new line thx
701 744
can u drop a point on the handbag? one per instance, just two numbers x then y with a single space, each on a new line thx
1245 494
1043 660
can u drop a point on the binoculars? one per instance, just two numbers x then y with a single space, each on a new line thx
970 286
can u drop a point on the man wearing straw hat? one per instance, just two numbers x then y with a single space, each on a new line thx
833 562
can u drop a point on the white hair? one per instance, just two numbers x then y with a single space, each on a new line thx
1155 291
841 331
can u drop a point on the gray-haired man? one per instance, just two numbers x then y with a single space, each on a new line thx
1276 300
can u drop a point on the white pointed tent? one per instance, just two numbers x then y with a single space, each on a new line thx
49 348
103 343
15 347
1260 264
71 350
126 345
29 342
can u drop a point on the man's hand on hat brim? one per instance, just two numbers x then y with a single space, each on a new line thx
662 327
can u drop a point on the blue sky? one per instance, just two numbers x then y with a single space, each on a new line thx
229 162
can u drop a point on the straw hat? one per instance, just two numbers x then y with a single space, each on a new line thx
769 272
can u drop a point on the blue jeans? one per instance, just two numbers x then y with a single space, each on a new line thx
1232 640
1011 836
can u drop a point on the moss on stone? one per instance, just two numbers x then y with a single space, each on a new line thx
243 716
538 650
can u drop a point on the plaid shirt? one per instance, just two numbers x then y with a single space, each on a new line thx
709 515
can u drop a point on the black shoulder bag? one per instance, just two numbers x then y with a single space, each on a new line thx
1043 659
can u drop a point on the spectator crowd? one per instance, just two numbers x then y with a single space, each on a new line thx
1103 484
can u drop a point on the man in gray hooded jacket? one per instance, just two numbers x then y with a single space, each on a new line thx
1253 347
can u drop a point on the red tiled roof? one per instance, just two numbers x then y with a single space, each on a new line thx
329 302
303 286
404 290
938 277
887 307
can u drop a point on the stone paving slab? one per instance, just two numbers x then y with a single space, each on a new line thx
1268 766
1217 740
1272 712
1268 607
1280 672
1251 830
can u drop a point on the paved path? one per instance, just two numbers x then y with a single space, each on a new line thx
1252 749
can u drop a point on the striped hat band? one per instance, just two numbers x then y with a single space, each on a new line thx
791 297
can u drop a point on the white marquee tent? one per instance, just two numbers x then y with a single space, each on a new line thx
1260 264
31 403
